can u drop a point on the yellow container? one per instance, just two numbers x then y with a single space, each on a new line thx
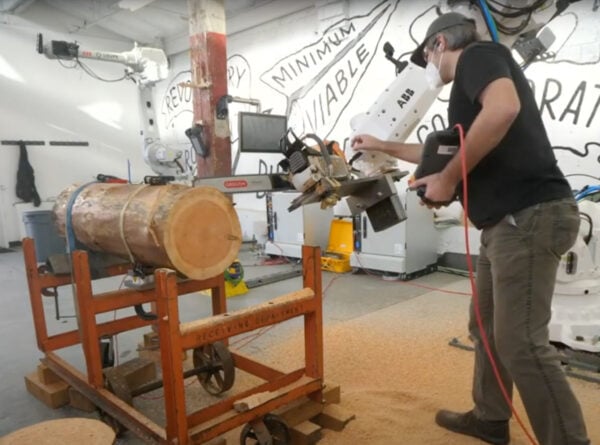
341 244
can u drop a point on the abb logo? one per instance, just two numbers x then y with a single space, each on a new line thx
235 184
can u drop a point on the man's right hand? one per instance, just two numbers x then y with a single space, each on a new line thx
366 142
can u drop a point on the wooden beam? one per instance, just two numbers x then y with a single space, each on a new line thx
208 54
135 421
255 368
86 318
214 427
313 322
35 294
219 327
170 352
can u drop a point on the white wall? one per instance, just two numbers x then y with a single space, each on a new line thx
42 100
342 79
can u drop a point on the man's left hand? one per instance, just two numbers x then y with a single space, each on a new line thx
438 190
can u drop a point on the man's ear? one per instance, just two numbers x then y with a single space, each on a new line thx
440 43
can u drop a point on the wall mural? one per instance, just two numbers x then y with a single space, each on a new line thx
316 84
319 80
566 88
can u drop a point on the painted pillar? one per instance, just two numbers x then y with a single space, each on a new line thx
208 53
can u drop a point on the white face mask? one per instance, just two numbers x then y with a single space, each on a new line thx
432 75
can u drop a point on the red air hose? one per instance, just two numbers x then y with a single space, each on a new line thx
477 311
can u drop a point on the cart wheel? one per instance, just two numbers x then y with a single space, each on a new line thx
221 377
277 429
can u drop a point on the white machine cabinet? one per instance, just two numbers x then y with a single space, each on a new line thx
288 231
408 249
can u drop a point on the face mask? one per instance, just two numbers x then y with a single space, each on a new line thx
432 75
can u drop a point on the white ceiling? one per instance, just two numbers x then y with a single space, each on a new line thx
147 22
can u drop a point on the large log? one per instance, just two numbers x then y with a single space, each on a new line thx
194 230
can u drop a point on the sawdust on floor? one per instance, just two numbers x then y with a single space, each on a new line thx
396 369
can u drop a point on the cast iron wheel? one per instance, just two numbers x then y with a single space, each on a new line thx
277 427
221 377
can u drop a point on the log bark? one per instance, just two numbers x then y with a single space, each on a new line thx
194 230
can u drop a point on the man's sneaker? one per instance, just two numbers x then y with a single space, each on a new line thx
495 433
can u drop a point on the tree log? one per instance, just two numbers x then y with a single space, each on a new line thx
194 230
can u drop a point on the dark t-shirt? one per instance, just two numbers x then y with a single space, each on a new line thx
522 170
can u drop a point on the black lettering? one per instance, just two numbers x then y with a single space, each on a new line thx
173 94
352 72
546 101
419 133
188 92
322 112
240 74
168 102
362 53
302 63
401 103
331 97
337 40
326 49
589 122
284 76
293 70
341 80
577 96
440 120
347 31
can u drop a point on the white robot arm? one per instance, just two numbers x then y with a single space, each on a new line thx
395 113
146 66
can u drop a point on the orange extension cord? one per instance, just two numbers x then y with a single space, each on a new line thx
484 338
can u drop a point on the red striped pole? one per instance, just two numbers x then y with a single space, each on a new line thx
208 53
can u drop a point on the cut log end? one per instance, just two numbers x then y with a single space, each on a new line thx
203 234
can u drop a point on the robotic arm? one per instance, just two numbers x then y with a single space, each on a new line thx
146 66
523 26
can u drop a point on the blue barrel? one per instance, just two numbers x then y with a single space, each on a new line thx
40 227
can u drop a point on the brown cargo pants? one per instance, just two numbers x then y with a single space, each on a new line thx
516 272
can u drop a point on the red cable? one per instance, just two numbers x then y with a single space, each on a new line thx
484 338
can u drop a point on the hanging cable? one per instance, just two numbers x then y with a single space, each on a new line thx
489 20
484 339
91 73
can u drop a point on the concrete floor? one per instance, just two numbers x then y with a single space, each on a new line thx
347 296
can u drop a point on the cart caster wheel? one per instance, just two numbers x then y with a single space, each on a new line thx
116 426
220 378
270 430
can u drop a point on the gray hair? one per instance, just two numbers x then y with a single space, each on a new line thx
458 36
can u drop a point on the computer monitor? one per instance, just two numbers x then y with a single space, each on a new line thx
260 133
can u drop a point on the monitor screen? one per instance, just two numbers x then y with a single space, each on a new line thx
260 133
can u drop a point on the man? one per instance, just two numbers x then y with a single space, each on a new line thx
520 199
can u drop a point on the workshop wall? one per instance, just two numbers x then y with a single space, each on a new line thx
45 101
322 66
